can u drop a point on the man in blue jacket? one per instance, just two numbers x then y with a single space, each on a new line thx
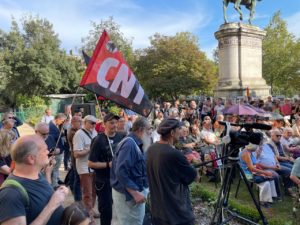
128 175
57 135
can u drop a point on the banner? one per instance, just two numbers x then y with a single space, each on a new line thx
108 75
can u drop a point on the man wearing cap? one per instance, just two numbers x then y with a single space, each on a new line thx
100 160
81 147
128 176
169 175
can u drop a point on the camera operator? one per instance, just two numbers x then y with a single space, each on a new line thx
169 175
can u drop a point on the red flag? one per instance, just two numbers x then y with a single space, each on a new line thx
109 75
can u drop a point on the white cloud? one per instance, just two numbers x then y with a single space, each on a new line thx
71 18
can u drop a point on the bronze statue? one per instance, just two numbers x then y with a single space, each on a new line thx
249 4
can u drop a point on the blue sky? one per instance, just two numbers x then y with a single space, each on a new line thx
140 19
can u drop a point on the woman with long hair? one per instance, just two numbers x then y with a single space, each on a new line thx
76 214
6 138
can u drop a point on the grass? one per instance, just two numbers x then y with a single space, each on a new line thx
279 214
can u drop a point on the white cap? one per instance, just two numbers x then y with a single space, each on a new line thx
90 118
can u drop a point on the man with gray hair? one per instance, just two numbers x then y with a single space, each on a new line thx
128 176
42 129
43 205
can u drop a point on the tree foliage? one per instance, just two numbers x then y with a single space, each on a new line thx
281 58
124 44
174 66
33 63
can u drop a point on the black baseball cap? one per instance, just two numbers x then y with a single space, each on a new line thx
110 116
167 125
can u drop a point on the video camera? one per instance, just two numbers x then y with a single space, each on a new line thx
241 138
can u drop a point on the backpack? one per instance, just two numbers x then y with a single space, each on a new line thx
17 185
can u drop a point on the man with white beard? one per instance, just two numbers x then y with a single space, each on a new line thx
128 176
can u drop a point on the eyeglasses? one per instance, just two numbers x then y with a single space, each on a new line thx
92 123
279 135
44 134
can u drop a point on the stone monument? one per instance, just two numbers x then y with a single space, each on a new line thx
240 56
240 61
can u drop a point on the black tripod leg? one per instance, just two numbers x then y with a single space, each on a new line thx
222 198
263 218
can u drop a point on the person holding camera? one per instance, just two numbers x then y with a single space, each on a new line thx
169 174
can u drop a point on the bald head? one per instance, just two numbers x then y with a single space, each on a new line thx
25 146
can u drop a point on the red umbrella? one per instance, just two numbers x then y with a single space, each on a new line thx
240 110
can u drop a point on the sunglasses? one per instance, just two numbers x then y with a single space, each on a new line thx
278 135
92 123
44 134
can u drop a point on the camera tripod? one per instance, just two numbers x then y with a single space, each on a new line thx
221 208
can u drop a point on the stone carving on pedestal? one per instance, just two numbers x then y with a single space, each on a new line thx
240 61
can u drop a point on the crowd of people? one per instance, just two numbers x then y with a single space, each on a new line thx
121 160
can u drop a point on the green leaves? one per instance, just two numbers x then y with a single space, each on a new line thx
281 58
174 66
33 63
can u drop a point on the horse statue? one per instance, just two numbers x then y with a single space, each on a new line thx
249 4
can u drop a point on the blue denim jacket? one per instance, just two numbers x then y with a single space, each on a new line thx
129 167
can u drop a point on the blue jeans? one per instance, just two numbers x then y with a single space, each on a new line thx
286 164
285 172
55 172
67 155
128 212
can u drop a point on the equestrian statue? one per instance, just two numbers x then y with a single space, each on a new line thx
249 4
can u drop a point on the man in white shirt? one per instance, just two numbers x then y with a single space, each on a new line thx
47 117
81 147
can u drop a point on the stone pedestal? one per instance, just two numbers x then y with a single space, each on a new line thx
240 61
